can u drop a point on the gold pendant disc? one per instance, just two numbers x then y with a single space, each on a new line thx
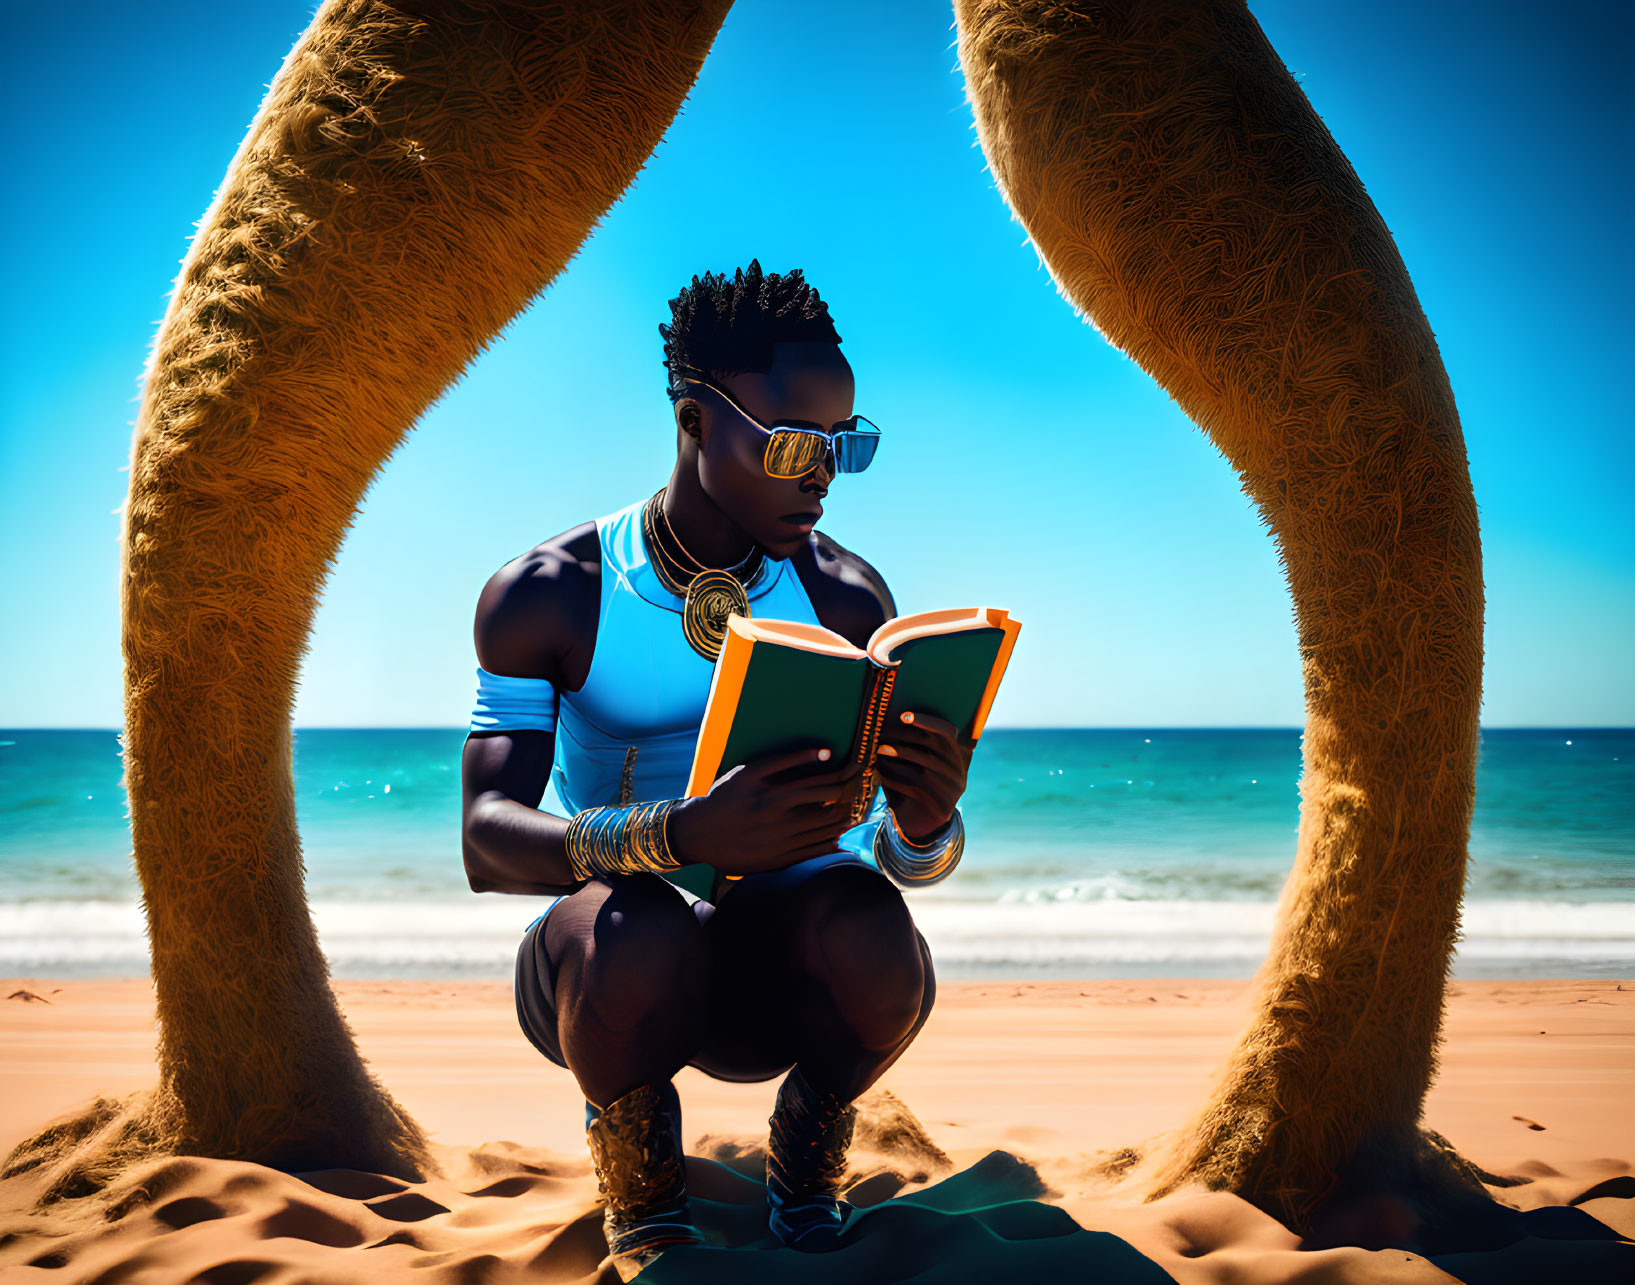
711 598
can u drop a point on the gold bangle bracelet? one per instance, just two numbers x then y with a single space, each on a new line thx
629 840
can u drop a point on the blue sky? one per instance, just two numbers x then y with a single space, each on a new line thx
1495 139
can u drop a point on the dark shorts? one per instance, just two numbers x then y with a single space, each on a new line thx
741 1042
535 988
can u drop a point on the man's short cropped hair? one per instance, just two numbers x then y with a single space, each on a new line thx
721 327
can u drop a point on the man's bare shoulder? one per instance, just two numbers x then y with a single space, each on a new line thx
537 613
849 596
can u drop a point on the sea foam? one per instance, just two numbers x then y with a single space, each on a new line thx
1103 937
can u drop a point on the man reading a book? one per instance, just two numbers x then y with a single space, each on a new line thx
738 931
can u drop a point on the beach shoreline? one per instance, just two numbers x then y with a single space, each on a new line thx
469 939
1533 1084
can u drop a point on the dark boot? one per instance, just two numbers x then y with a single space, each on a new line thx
635 1144
805 1161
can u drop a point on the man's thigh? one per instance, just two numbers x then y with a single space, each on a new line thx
561 936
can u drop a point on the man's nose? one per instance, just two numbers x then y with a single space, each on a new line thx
823 473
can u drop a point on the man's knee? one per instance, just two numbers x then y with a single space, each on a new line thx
861 944
643 953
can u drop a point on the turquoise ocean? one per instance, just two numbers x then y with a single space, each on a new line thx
1091 853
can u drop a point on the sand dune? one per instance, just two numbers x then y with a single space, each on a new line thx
984 1157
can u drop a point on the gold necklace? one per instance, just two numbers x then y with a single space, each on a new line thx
709 595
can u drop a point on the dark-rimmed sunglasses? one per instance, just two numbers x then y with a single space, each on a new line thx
795 452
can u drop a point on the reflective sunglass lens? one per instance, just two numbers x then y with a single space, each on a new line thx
854 451
791 453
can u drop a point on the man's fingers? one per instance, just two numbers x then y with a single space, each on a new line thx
933 733
913 790
925 723
902 778
808 821
908 790
819 820
763 768
794 798
819 847
823 838
843 771
795 849
831 782
916 758
900 755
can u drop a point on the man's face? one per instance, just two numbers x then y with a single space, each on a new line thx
810 385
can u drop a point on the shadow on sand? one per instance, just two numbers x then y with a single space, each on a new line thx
981 1224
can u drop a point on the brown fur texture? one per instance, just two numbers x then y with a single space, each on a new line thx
1190 203
418 172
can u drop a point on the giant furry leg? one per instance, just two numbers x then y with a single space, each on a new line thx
418 172
1190 203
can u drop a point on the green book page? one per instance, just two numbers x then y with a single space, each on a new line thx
945 675
792 699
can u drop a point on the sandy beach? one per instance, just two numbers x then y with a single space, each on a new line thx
1536 1083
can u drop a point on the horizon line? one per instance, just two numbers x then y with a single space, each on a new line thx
1001 727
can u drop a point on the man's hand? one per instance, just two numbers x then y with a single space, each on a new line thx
766 815
922 765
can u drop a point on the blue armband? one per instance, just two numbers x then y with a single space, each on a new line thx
508 704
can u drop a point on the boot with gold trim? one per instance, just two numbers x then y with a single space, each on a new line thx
635 1145
805 1163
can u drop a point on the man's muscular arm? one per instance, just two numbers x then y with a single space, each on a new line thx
536 619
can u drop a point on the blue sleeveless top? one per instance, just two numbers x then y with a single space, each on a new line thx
628 734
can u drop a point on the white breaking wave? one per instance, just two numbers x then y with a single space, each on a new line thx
968 938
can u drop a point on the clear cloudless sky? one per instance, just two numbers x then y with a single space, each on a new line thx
1026 463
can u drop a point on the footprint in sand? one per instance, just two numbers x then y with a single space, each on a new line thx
240 1271
399 1237
410 1207
187 1211
301 1221
353 1184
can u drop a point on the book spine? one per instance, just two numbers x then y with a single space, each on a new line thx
868 741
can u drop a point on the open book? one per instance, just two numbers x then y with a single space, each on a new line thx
780 685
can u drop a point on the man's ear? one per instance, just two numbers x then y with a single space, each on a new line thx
690 419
